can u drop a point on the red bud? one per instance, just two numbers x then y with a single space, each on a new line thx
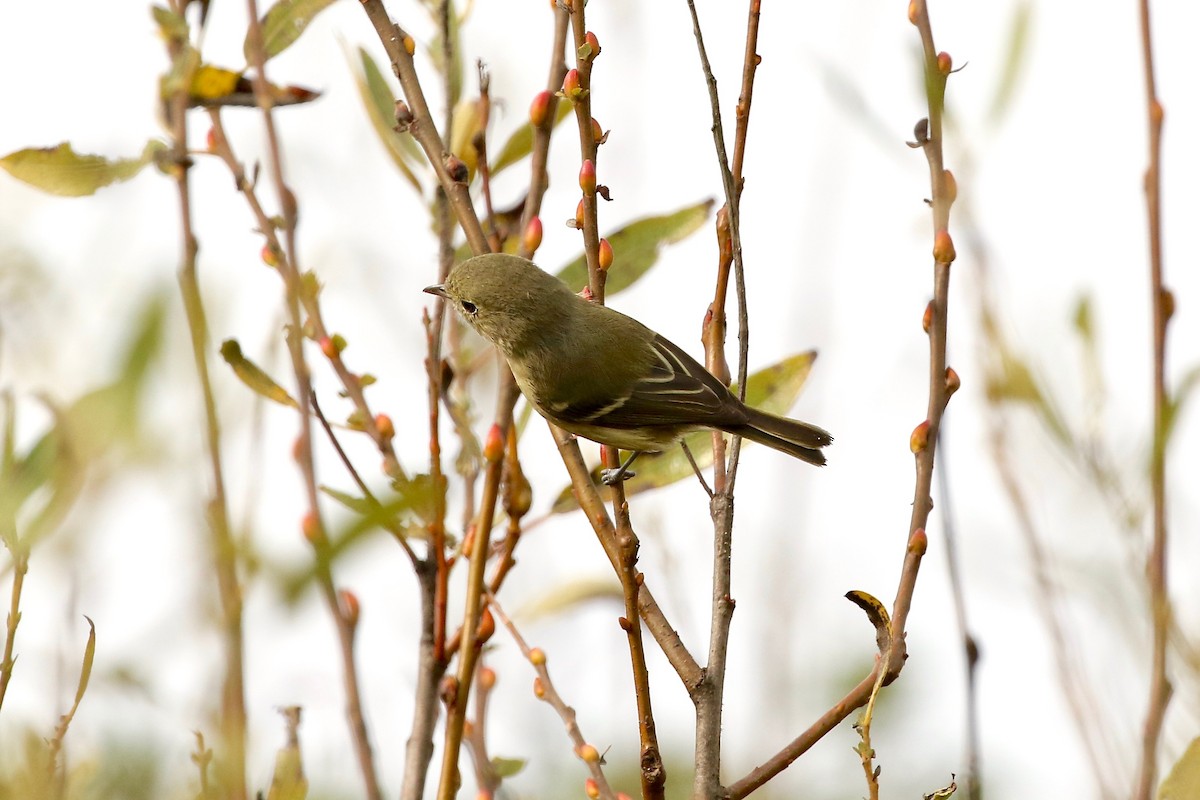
912 11
539 688
383 424
591 788
606 254
943 247
927 317
493 447
487 677
487 627
348 601
570 87
919 439
579 215
587 177
919 542
539 109
944 63
269 257
532 238
593 45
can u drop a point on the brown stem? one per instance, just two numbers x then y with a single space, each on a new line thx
593 507
468 652
545 691
232 763
400 48
290 270
1160 300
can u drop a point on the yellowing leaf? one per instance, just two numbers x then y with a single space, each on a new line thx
467 122
1183 781
60 170
283 24
211 83
250 374
636 247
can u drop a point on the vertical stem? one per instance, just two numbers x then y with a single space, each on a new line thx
231 765
1160 299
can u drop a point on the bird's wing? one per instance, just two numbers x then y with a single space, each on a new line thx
676 390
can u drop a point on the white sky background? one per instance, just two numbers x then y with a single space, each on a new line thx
837 246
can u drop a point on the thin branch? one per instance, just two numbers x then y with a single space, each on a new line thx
544 690
593 507
290 270
231 765
709 699
1161 305
969 644
652 772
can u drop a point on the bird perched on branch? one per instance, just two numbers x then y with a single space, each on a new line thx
601 375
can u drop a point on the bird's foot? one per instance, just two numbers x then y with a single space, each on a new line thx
611 477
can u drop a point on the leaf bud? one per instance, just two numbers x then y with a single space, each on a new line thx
350 608
487 677
943 247
487 627
588 753
571 88
587 177
952 381
539 109
537 657
605 254
919 439
944 63
456 168
404 116
385 426
532 238
919 542
493 447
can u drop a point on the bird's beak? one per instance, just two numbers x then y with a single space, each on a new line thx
439 290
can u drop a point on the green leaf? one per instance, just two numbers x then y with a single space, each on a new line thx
565 596
381 108
60 170
402 511
773 389
250 374
636 247
283 24
520 144
1183 781
507 767
1010 73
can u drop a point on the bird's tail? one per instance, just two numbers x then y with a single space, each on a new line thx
789 436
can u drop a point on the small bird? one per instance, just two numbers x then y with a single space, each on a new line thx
602 375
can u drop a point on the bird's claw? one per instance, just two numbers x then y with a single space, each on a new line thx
611 477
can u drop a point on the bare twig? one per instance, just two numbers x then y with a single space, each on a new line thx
969 644
544 690
1161 304
709 699
653 774
290 271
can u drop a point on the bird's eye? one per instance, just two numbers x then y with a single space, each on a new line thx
469 307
